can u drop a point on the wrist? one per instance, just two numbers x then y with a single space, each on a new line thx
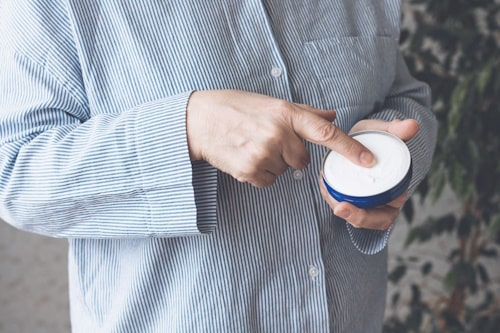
191 127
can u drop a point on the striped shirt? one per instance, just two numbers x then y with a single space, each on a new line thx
93 148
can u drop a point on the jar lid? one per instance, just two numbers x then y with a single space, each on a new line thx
375 186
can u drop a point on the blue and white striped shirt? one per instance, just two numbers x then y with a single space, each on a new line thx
93 148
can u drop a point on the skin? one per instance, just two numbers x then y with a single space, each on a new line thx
255 138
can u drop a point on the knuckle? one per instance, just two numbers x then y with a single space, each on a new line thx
327 132
267 183
256 156
282 107
283 169
383 225
250 171
355 224
241 179
246 174
263 180
358 219
349 147
387 225
391 220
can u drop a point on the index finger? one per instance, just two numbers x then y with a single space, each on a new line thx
312 125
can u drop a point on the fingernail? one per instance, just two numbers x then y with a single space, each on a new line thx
367 159
343 213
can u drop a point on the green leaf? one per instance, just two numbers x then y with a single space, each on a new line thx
483 274
469 192
403 36
461 275
488 252
473 152
421 234
449 281
458 179
409 211
445 223
426 268
456 104
453 324
416 295
438 188
483 78
488 299
397 274
494 227
454 254
395 298
465 225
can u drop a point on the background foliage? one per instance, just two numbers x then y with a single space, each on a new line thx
454 46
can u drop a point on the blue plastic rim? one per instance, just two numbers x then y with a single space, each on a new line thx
374 200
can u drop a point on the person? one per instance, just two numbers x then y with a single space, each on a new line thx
177 145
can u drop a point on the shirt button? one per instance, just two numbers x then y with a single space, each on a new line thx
313 272
298 175
276 71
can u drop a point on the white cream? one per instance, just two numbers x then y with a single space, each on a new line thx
393 162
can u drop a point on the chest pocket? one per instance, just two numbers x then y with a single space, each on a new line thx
354 74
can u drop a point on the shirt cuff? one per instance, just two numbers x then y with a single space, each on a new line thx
181 193
369 241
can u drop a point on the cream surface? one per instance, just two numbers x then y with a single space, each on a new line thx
393 163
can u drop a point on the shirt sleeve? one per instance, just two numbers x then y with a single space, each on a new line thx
65 172
408 99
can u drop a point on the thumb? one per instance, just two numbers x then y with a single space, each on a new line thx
315 126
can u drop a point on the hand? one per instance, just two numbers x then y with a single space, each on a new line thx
255 138
380 218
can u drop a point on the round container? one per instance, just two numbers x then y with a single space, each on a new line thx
375 186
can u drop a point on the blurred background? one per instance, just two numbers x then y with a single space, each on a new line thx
446 275
444 271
